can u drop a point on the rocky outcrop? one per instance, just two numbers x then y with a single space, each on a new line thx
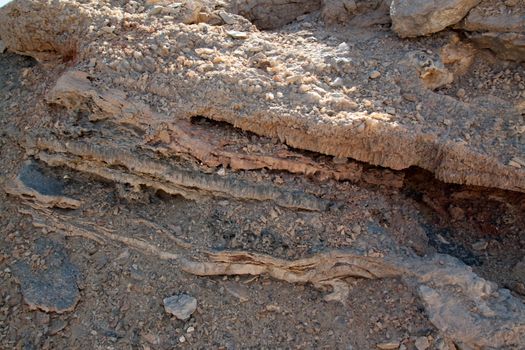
244 82
485 19
411 18
33 185
356 13
472 311
499 28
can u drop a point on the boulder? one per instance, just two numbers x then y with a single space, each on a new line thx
498 27
411 18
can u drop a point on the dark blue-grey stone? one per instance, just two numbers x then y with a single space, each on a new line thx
52 287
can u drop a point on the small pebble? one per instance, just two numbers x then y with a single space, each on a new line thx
422 343
237 35
375 74
388 346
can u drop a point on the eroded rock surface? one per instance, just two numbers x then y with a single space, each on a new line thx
32 184
180 306
199 100
411 18
499 27
50 285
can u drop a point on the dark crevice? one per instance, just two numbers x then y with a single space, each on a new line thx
458 219
269 15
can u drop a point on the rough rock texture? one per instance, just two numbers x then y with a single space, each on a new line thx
411 18
463 306
358 13
454 315
180 306
51 284
192 99
510 46
32 184
315 116
499 27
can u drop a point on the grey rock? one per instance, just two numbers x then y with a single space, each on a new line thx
181 306
54 287
411 18
422 343
33 183
32 176
56 326
2 47
518 272
335 11
467 308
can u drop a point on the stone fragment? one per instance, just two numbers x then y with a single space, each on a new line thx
237 35
181 306
375 74
480 245
388 346
33 184
509 46
411 18
422 343
2 47
52 286
228 18
56 326
519 160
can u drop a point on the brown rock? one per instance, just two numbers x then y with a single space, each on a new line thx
510 46
411 18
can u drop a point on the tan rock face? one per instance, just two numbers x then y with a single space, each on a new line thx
275 85
192 99
499 27
411 18
489 19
